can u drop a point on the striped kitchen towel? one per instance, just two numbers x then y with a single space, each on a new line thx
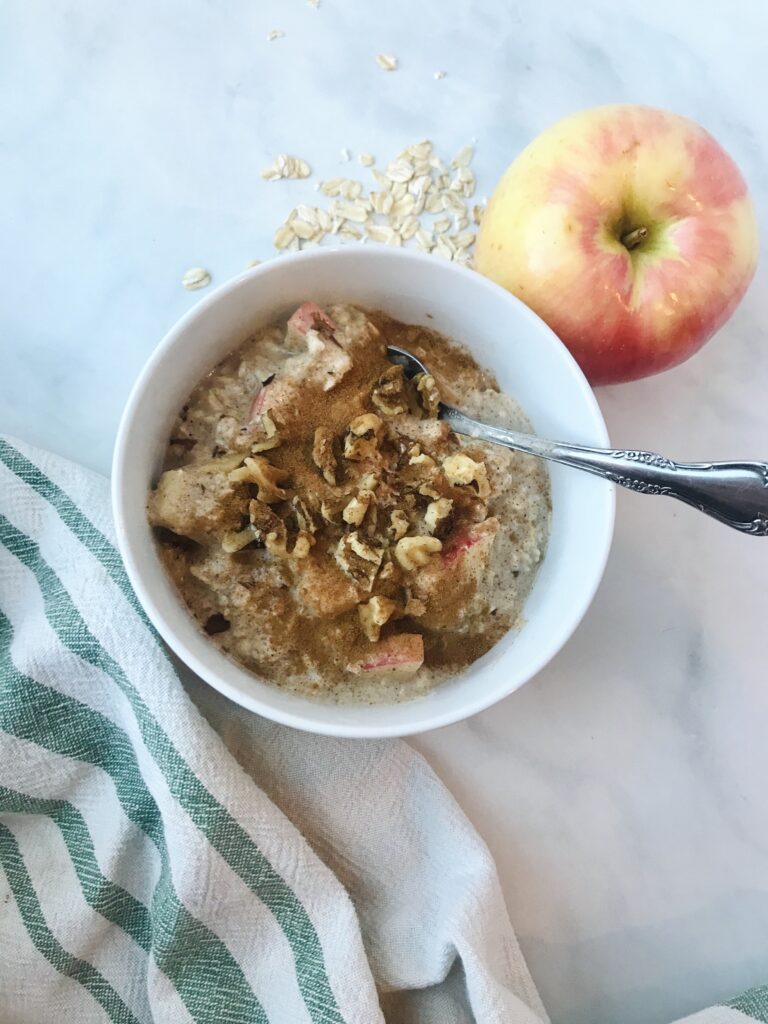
167 857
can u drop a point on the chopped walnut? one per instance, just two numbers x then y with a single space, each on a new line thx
266 476
277 544
414 552
429 492
414 607
428 394
355 512
324 455
388 571
270 438
366 423
233 540
438 511
331 509
389 393
360 561
461 470
418 458
304 517
398 523
264 520
363 438
373 615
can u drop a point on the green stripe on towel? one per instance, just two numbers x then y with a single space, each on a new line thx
753 1003
224 833
187 952
46 942
105 897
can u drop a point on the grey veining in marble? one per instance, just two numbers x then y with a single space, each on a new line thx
623 791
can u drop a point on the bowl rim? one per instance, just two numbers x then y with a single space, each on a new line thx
304 720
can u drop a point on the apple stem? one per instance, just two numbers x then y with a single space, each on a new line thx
634 237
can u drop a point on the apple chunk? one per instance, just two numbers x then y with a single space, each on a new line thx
400 655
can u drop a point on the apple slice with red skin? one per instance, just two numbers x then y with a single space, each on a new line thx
309 316
463 540
399 655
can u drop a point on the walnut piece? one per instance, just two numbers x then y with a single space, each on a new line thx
389 393
355 512
304 516
236 540
266 477
363 438
461 470
414 552
429 396
323 454
368 422
415 607
264 520
374 613
398 523
277 545
437 512
360 561
418 458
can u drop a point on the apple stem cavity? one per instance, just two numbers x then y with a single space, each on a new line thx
634 238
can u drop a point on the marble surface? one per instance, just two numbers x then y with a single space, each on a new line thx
623 791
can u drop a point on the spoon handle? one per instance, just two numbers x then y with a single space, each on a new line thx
735 493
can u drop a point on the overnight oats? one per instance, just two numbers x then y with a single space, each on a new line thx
327 530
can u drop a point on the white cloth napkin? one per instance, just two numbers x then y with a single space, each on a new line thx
167 857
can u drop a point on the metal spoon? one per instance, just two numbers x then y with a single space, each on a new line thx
735 493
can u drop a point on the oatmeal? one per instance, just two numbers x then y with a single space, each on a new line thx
327 530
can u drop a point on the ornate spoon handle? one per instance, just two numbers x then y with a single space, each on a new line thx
735 493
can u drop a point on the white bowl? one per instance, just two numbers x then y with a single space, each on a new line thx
530 363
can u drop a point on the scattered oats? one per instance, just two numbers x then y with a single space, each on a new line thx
253 263
276 33
438 75
451 201
400 171
304 230
425 240
415 184
409 227
350 211
345 155
443 249
463 240
286 167
464 157
196 277
477 213
284 236
387 62
380 233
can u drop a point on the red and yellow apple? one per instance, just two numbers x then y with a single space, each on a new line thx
630 231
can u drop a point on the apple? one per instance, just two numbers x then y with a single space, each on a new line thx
630 231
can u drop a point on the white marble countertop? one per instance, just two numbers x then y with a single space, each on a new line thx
623 791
